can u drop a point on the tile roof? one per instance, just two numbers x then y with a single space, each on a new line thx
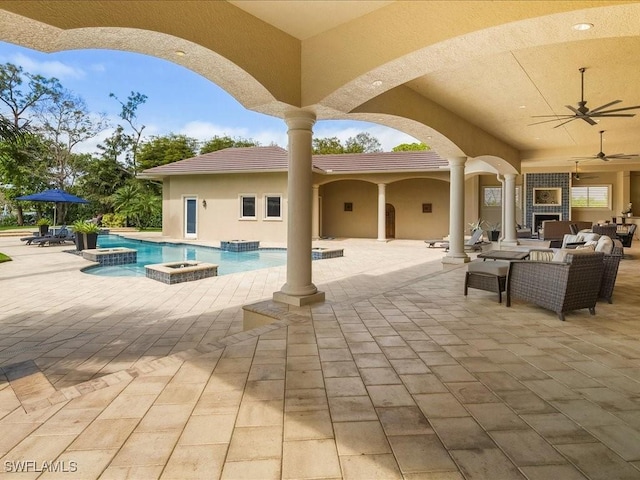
274 159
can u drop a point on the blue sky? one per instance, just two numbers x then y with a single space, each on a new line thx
179 101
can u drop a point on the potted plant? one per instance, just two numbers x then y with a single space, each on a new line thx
86 235
43 226
493 230
477 225
90 234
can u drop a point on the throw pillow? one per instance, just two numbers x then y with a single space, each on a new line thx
590 247
541 255
605 245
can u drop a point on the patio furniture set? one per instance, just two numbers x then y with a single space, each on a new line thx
561 280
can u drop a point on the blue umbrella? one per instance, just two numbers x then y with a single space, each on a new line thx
54 195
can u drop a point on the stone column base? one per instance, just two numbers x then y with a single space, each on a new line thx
456 260
298 300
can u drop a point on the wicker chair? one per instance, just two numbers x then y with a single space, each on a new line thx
608 230
558 286
610 272
626 237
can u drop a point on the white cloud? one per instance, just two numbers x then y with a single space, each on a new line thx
206 130
48 68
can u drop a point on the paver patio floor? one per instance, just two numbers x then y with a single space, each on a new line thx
397 375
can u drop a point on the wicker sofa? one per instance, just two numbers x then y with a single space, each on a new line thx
558 286
556 229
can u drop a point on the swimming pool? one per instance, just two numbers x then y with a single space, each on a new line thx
153 252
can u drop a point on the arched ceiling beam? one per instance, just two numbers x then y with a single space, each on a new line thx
458 137
256 63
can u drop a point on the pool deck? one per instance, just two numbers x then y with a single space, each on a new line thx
396 375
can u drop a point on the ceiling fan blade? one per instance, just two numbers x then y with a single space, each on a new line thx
588 119
553 120
559 117
617 110
601 107
564 123
616 156
574 110
606 115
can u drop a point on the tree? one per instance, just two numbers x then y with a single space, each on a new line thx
139 205
131 141
220 143
102 176
21 99
409 147
20 153
65 122
165 149
362 143
327 146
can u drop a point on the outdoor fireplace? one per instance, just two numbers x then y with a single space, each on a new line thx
538 218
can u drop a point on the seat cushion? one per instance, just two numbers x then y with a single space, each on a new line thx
494 267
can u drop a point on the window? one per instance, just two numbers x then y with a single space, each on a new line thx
492 197
273 207
593 196
247 207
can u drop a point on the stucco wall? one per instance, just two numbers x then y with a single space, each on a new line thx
407 197
220 220
362 221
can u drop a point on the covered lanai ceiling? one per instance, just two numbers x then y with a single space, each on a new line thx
463 76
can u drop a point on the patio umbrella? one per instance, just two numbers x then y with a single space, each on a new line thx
54 195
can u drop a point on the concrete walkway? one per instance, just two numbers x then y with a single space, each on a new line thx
397 375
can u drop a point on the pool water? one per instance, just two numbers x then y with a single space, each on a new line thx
153 252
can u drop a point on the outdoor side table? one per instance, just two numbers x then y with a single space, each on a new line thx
489 276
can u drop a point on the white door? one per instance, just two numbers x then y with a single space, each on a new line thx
190 217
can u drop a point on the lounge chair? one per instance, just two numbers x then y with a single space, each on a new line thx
62 236
474 243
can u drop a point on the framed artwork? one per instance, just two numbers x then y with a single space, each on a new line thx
348 207
426 208
550 197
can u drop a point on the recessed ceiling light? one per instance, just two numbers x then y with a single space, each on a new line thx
522 106
582 26
376 83
180 53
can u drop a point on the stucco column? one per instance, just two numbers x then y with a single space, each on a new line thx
509 209
315 219
382 212
299 289
456 252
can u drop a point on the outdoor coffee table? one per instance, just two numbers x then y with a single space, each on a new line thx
504 255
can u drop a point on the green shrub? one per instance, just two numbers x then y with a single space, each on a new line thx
9 221
113 220
43 221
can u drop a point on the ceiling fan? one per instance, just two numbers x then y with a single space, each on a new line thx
605 158
583 112
578 176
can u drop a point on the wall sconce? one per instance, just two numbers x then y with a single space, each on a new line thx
204 204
